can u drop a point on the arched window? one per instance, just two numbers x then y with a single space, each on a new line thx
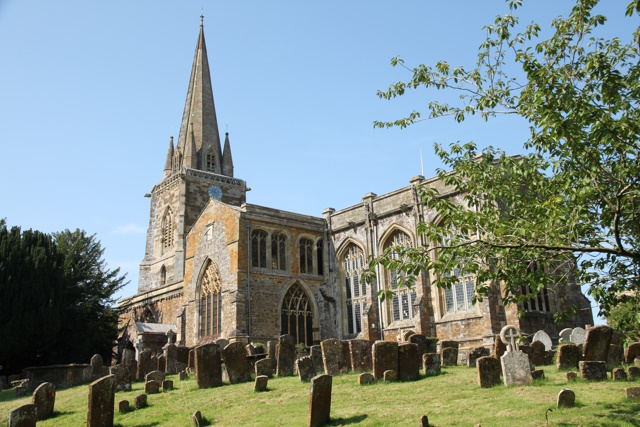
306 256
259 249
278 251
537 301
297 316
210 302
210 162
163 275
403 298
355 289
319 257
167 230
459 297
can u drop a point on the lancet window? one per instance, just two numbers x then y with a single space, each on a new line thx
459 297
278 251
210 162
306 256
319 257
259 249
210 302
355 289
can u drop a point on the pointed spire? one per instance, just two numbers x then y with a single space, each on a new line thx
199 108
227 160
190 153
168 164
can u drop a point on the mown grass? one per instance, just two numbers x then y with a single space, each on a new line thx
450 399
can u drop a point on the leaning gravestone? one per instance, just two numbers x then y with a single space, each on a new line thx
320 400
316 356
565 335
577 336
305 369
361 355
101 402
286 356
594 371
171 358
475 354
331 355
208 366
44 397
265 367
568 356
145 364
516 369
632 351
544 338
385 358
236 363
408 362
23 416
431 363
488 371
596 344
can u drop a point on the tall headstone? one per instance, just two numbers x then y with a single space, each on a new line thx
516 369
129 361
360 354
345 360
101 402
544 338
331 355
286 356
320 400
408 362
271 350
23 416
145 364
577 336
44 397
488 371
596 344
208 363
171 358
316 357
385 358
236 363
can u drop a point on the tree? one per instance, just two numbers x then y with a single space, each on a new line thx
571 204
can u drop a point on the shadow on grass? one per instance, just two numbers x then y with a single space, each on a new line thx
152 424
354 419
617 413
56 414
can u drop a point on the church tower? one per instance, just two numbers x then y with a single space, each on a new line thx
195 170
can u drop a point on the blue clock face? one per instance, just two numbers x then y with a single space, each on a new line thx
215 192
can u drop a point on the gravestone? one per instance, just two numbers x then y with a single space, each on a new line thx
96 366
631 352
594 371
632 393
408 362
320 400
488 371
271 350
431 363
183 355
162 363
44 397
221 342
615 355
251 350
570 376
171 358
261 383
129 361
537 374
140 401
145 364
121 375
123 406
424 421
449 344
566 398
360 355
101 402
421 341
152 387
192 358
432 345
618 374
385 357
286 356
596 344
498 347
544 338
331 355
390 376
305 369
316 357
538 353
634 373
196 419
476 354
154 376
449 356
265 367
565 335
568 356
23 416
167 385
345 359
365 378
236 363
516 369
208 363
182 376
154 362
577 336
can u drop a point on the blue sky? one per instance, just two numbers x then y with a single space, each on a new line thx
90 93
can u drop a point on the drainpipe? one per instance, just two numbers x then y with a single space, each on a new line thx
375 252
249 282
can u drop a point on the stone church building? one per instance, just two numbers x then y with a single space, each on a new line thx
216 266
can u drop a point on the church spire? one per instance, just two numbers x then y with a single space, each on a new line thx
199 109
168 164
227 160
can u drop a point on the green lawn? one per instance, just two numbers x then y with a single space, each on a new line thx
450 399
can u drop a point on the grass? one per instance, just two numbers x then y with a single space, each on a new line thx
450 399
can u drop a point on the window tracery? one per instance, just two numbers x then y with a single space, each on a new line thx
306 256
278 251
259 249
297 315
167 230
355 290
403 298
210 302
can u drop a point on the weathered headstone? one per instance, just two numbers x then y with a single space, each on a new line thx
192 358
632 393
154 376
251 350
183 356
390 376
618 374
305 369
565 335
431 363
475 354
449 356
566 398
286 356
488 371
449 344
421 341
196 419
271 350
101 402
408 362
171 358
208 363
385 357
96 366
261 383
567 357
236 363
570 376
365 378
144 364
516 368
221 342
123 406
162 363
596 344
345 360
140 401
360 355
615 356
23 416
544 338
634 373
432 345
594 371
44 397
152 387
537 374
631 352
182 376
331 355
320 400
167 385
316 357
498 347
577 336
265 367
121 375
538 354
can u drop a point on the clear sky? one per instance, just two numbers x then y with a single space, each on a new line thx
90 93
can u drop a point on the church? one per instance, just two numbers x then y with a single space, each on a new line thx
216 266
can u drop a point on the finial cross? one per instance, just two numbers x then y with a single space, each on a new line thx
509 335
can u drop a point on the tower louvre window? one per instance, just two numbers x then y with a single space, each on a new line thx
167 230
210 162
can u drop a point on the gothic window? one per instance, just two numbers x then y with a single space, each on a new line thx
355 290
210 162
297 316
259 249
167 230
210 302
306 256
319 255
278 251
459 297
163 275
536 301
403 298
